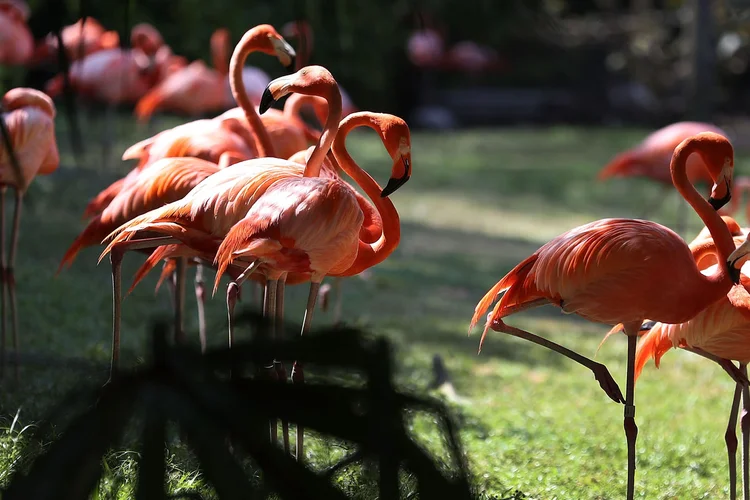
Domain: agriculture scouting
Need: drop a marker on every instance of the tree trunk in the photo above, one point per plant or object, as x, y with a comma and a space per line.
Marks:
702, 78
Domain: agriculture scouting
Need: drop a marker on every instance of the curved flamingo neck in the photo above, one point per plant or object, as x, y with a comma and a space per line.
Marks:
248, 44
719, 283
369, 254
314, 164
295, 103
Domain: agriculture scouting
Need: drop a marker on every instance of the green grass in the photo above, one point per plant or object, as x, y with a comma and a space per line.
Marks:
478, 202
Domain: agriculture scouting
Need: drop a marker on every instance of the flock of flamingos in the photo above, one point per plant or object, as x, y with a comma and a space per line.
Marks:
248, 195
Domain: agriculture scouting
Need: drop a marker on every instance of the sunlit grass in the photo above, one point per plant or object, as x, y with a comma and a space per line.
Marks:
478, 202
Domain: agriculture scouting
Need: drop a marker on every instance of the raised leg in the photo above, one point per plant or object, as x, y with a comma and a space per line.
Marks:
200, 299
606, 382
631, 429
3, 295
278, 365
179, 302
10, 279
730, 438
298, 376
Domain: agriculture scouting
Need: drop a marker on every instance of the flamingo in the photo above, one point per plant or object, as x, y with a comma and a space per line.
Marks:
29, 120
195, 89
651, 158
211, 211
80, 39
625, 271
16, 40
721, 332
166, 180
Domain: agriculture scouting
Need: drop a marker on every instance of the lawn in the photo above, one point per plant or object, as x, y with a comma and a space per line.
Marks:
478, 202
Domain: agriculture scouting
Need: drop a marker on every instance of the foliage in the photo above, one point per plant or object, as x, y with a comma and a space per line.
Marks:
179, 385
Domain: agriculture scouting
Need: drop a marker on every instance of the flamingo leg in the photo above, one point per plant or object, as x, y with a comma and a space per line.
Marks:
737, 375
232, 292
298, 376
631, 429
200, 299
3, 299
179, 302
745, 429
601, 374
338, 299
730, 438
11, 279
115, 257
278, 365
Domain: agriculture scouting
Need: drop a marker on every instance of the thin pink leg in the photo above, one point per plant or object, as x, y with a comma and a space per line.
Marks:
200, 299
298, 376
278, 365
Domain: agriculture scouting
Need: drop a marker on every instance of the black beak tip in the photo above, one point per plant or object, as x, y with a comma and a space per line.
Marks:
717, 204
734, 273
393, 184
265, 101
647, 325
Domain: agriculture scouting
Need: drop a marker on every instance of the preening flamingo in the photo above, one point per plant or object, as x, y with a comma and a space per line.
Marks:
195, 89
625, 271
651, 159
80, 39
16, 40
29, 119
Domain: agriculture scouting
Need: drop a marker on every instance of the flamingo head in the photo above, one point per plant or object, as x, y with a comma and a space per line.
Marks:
737, 259
310, 80
396, 137
718, 155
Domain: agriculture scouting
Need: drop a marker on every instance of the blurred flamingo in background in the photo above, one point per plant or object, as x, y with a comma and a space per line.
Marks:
195, 89
651, 158
29, 120
741, 186
210, 139
303, 32
721, 332
80, 39
16, 40
115, 76
625, 271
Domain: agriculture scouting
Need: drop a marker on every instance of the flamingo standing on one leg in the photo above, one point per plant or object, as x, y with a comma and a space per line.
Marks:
625, 271
651, 158
29, 120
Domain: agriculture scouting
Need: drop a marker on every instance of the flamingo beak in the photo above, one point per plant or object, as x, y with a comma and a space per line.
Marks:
396, 182
718, 203
266, 100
